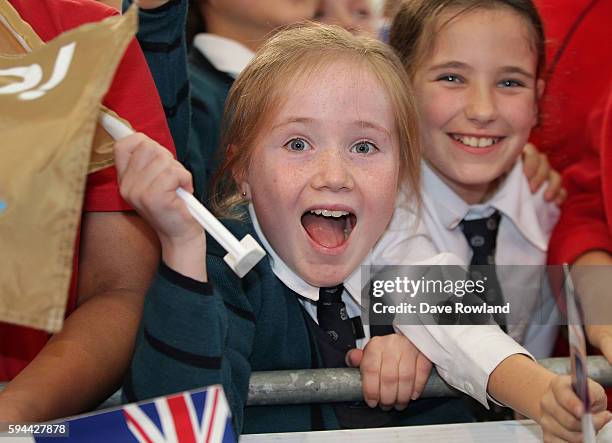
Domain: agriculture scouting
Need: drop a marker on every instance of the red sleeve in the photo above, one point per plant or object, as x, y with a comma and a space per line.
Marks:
132, 94
584, 225
577, 75
134, 97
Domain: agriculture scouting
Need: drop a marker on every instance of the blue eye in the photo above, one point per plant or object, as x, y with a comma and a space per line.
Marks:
297, 144
510, 83
450, 78
364, 147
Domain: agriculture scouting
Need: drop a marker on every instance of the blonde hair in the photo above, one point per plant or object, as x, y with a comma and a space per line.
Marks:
298, 51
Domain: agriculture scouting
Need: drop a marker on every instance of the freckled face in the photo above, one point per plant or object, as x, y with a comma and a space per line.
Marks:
324, 174
477, 95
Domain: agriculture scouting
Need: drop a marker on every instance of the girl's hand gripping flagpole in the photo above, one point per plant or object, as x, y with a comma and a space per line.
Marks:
241, 255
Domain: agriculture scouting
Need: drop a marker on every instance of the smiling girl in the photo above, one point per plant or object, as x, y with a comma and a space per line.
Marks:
477, 84
475, 68
321, 131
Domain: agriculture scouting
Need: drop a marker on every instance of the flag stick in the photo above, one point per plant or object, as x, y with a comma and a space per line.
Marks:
242, 255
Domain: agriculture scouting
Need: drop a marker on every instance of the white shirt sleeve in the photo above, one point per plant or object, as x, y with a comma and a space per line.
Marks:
464, 355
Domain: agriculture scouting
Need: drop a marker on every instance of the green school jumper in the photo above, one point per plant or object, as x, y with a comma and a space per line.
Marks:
195, 128
198, 334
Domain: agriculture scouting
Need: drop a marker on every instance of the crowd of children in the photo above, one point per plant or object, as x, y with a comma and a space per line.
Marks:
334, 150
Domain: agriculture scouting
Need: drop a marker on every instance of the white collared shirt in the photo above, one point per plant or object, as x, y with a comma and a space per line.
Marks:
310, 294
525, 227
224, 54
466, 355
527, 221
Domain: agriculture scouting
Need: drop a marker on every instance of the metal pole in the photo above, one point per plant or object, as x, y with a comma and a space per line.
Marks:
321, 386
344, 384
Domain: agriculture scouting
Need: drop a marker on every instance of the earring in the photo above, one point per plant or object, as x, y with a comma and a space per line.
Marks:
243, 194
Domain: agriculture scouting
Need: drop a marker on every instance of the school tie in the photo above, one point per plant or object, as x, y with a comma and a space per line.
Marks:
337, 335
333, 318
481, 235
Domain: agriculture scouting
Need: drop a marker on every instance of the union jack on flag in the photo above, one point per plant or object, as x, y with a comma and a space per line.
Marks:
201, 416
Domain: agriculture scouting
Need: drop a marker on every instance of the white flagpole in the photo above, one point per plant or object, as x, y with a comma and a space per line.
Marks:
242, 255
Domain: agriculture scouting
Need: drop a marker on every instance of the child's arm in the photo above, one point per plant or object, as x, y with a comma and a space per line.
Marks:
534, 391
161, 34
85, 362
183, 341
466, 355
520, 383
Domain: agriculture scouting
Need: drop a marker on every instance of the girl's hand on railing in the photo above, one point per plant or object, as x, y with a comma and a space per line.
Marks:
393, 371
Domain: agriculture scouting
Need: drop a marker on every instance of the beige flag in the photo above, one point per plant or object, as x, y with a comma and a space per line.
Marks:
49, 105
112, 3
18, 37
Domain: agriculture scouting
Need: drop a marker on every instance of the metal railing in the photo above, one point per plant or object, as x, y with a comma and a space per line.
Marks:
344, 384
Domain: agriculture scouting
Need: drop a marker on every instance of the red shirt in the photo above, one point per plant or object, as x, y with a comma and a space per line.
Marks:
580, 71
134, 97
576, 130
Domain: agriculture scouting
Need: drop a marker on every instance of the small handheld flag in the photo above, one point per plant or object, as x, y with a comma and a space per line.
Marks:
578, 356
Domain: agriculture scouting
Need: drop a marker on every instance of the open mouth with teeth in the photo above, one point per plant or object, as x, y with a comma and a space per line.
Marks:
476, 142
329, 228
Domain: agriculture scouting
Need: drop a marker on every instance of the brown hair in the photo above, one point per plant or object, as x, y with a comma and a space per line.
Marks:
293, 53
414, 28
390, 8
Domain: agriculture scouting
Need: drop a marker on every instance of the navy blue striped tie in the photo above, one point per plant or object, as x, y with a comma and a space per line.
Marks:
481, 235
333, 318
